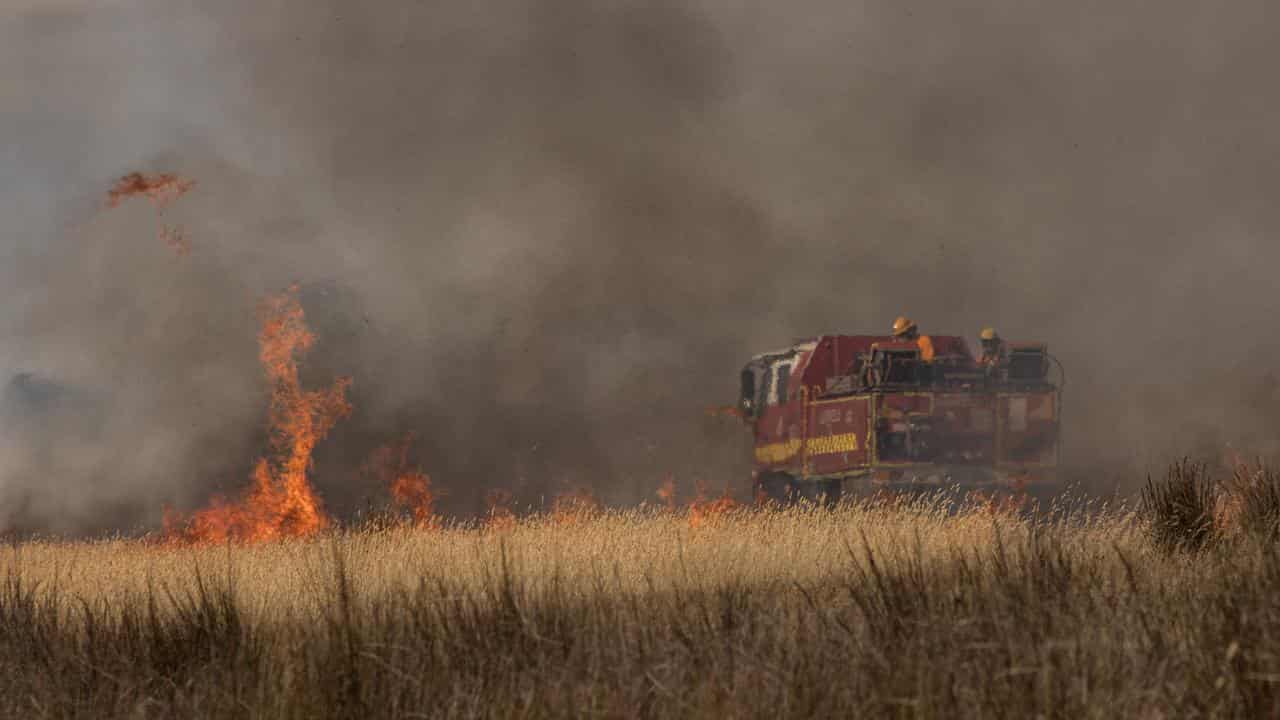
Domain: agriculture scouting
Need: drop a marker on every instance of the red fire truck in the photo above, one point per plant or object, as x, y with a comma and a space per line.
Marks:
846, 414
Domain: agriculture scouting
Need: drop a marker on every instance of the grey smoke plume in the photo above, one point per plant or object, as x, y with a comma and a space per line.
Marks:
545, 235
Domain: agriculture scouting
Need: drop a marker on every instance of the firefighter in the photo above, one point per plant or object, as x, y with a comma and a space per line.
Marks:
992, 349
905, 330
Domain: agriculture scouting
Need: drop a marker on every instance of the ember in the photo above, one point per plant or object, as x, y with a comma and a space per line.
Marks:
162, 190
176, 238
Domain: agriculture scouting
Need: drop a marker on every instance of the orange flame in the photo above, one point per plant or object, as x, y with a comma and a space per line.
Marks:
574, 506
998, 503
499, 517
667, 492
280, 502
410, 488
703, 511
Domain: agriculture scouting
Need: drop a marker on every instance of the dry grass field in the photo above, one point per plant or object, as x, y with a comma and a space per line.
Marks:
871, 609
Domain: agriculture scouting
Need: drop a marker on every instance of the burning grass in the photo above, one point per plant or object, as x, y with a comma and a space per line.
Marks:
409, 487
704, 510
872, 609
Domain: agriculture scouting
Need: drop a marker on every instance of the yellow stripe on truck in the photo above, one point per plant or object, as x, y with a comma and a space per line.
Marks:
777, 452
831, 444
774, 453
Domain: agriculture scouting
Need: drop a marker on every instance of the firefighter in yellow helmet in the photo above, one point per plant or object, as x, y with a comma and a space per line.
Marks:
992, 349
905, 329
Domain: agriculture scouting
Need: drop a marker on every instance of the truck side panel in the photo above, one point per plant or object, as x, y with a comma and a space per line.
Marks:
778, 438
1027, 434
838, 433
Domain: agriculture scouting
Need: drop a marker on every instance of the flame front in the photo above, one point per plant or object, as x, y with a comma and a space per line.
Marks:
280, 502
574, 505
703, 511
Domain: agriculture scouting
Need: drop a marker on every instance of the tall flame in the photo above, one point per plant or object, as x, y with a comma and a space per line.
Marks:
280, 502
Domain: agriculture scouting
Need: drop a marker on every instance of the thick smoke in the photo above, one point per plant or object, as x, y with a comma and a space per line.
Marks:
544, 235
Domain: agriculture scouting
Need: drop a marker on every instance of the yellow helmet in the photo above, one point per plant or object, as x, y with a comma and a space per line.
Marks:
902, 326
988, 334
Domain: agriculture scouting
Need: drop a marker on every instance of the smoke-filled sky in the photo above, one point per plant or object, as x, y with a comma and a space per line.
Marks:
545, 235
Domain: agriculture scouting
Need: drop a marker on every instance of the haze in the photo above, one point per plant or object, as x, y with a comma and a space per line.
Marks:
544, 236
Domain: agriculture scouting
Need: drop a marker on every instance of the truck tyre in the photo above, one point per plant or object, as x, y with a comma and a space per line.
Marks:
831, 492
776, 487
822, 493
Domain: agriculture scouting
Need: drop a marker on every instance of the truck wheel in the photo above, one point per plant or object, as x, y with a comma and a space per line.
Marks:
823, 493
831, 492
776, 487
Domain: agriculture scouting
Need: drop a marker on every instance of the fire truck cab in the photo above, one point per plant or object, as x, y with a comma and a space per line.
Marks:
842, 414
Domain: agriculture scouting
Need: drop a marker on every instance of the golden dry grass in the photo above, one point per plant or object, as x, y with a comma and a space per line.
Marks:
588, 552
869, 609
